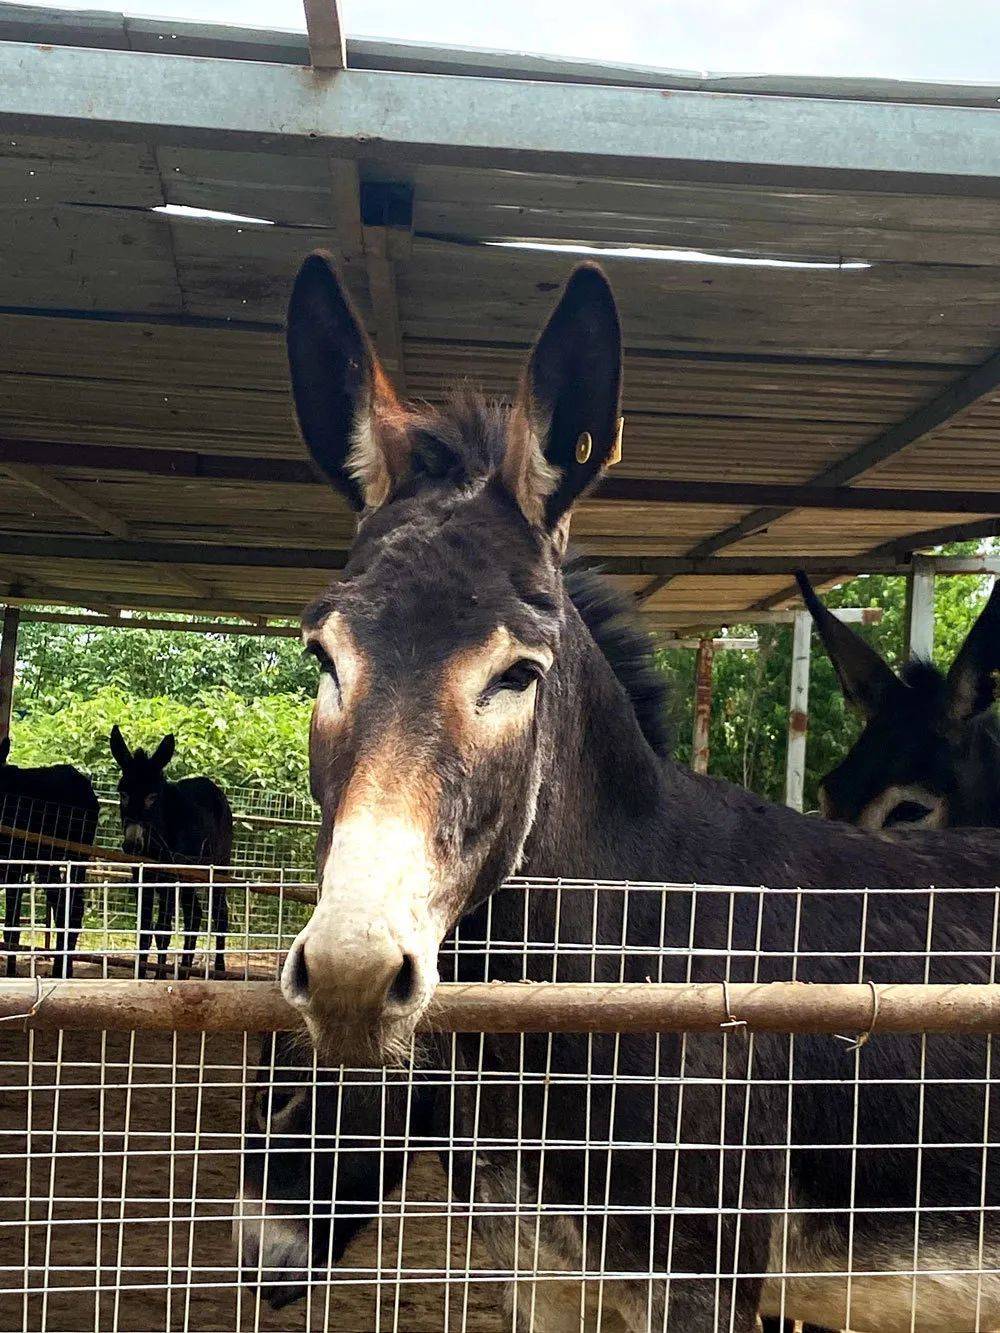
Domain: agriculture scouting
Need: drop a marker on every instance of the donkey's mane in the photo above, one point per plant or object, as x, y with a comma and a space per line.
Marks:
926, 680
628, 649
465, 438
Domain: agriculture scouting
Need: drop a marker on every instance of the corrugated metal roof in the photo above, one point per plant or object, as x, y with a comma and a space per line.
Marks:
139, 331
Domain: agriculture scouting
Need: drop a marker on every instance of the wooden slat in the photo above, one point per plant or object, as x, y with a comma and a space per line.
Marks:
327, 50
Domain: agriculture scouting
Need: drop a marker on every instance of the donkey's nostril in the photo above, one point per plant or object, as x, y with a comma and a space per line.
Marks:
295, 980
404, 985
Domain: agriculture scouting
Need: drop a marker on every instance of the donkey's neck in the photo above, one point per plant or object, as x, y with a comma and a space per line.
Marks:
604, 804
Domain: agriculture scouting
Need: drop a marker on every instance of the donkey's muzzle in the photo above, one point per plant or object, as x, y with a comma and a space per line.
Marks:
375, 976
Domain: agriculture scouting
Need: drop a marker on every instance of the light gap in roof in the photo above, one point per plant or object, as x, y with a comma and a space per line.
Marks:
209, 215
675, 256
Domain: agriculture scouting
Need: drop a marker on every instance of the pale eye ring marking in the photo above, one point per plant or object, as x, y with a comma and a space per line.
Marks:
515, 679
327, 667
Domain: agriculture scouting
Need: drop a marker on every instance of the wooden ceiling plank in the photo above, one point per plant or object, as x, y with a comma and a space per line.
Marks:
943, 410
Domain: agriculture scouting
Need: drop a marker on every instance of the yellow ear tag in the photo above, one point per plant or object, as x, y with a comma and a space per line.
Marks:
584, 447
615, 455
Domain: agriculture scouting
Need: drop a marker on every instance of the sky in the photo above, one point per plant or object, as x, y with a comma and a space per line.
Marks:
942, 40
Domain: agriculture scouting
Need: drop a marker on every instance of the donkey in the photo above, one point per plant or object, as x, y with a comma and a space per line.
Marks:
300, 1206
185, 821
468, 725
53, 802
929, 754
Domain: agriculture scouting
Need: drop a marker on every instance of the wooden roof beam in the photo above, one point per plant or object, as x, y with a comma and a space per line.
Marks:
943, 410
71, 500
327, 45
890, 558
610, 132
186, 464
67, 498
905, 547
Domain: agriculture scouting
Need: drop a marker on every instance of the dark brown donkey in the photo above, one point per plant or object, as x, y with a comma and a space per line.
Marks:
467, 725
929, 754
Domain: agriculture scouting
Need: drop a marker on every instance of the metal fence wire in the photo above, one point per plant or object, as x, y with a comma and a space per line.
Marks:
527, 1182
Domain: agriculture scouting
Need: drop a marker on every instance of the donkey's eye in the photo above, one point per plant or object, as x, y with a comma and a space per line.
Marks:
907, 812
516, 679
327, 667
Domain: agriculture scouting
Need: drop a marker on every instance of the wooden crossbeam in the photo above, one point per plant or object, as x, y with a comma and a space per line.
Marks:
944, 409
66, 497
185, 464
327, 47
196, 874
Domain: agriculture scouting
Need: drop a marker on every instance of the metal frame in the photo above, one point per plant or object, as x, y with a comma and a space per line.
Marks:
500, 123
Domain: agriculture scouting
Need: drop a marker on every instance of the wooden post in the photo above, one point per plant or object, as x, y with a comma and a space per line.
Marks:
8, 661
920, 609
798, 711
702, 706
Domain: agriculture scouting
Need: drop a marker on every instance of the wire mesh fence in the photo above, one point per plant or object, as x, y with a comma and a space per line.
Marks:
545, 1181
270, 829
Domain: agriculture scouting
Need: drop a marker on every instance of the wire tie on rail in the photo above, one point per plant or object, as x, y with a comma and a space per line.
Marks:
40, 999
730, 1021
856, 1043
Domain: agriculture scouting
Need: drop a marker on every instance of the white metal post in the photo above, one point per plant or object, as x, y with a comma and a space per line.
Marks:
798, 710
920, 622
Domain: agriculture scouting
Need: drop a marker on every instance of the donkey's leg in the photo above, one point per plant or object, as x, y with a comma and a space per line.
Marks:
145, 913
164, 928
77, 900
12, 924
220, 911
56, 912
192, 913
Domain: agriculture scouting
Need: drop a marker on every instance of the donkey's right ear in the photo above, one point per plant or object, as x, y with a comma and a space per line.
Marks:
868, 682
119, 749
348, 413
4, 749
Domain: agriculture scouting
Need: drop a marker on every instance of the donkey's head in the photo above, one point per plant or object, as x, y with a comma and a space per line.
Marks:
140, 793
922, 759
429, 735
323, 1151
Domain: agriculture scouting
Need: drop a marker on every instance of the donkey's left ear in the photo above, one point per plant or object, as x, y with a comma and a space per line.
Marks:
566, 420
971, 683
164, 752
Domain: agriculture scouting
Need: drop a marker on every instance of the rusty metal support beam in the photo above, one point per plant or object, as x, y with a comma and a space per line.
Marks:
8, 664
798, 711
702, 706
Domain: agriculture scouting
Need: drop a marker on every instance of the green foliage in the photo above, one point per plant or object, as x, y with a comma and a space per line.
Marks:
63, 662
240, 742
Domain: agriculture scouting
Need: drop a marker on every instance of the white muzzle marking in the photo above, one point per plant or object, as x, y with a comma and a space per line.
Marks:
376, 910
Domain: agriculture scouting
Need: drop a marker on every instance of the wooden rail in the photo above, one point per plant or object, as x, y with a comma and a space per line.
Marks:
513, 1007
198, 874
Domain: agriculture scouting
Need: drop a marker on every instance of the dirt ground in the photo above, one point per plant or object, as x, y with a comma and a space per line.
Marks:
104, 1252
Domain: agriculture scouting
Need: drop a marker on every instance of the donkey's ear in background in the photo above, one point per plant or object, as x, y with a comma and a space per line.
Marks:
868, 682
349, 416
971, 683
564, 427
119, 748
4, 749
164, 752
